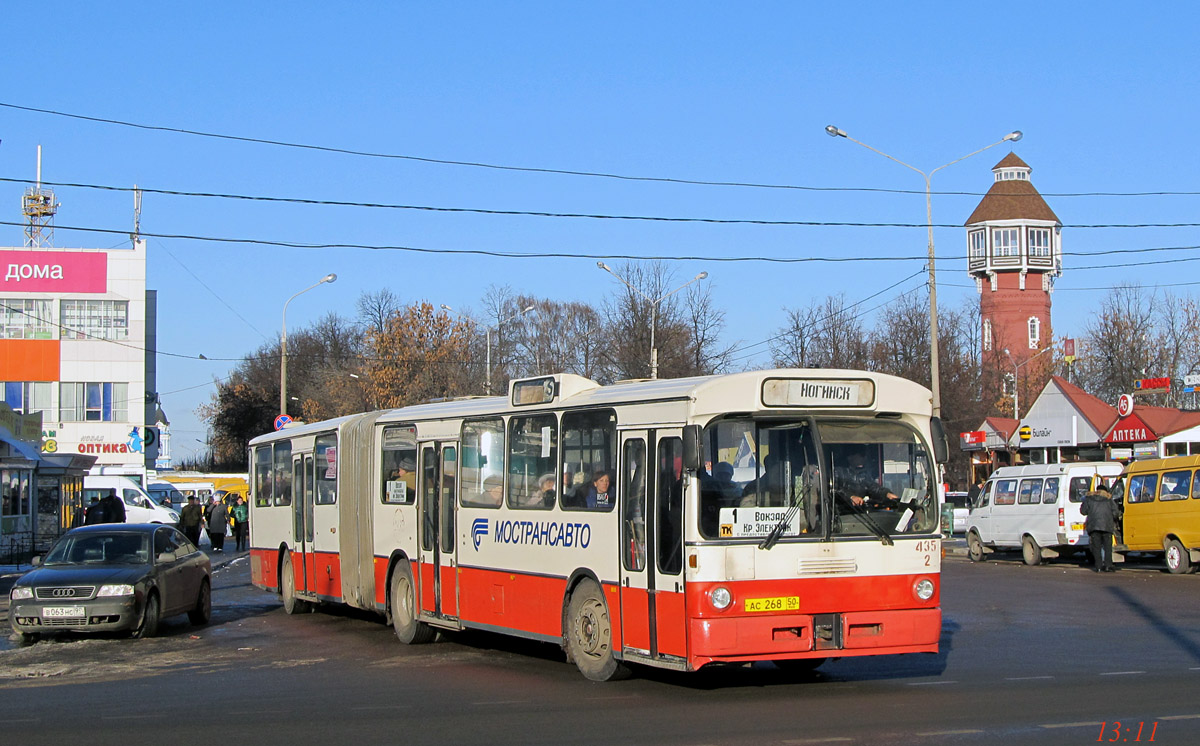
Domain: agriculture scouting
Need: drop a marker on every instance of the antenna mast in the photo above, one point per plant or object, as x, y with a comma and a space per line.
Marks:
39, 207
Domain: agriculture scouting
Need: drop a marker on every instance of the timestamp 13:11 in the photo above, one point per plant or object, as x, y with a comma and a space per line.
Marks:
1118, 733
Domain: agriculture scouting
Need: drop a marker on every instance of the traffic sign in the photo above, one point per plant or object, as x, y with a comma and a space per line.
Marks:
282, 420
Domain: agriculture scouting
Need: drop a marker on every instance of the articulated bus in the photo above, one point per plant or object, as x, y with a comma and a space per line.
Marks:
670, 523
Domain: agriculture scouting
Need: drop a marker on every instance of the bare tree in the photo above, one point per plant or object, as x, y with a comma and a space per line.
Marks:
1120, 344
374, 309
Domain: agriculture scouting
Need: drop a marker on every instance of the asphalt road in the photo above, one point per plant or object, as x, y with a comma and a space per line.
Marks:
1031, 655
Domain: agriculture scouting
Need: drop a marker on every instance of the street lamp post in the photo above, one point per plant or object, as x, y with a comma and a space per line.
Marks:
653, 309
1016, 379
283, 397
487, 385
933, 321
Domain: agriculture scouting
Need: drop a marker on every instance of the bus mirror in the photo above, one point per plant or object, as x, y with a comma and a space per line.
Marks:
941, 449
691, 447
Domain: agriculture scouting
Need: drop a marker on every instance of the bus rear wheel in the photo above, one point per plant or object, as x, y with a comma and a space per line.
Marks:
1179, 561
589, 635
403, 602
1030, 551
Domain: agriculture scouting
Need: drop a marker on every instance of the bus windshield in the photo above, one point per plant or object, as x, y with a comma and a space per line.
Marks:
821, 478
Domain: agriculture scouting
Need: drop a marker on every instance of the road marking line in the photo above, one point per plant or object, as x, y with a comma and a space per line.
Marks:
1121, 673
1089, 724
1179, 717
25, 720
930, 683
963, 732
1027, 678
129, 717
502, 702
801, 741
380, 707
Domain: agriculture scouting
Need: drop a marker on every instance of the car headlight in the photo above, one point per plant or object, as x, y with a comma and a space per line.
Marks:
117, 589
720, 597
923, 589
20, 593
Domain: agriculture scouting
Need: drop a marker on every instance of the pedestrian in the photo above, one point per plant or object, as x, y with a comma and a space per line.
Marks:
190, 518
94, 513
1102, 514
241, 524
112, 508
218, 524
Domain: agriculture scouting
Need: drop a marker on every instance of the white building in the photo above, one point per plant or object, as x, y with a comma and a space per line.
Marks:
77, 341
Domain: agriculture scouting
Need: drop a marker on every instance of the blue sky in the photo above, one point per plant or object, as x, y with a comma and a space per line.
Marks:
1105, 94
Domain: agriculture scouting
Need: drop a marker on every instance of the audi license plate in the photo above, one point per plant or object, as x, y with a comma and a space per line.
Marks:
779, 603
62, 612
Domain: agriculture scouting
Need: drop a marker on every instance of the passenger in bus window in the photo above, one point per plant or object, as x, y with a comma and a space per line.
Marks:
597, 496
493, 492
543, 497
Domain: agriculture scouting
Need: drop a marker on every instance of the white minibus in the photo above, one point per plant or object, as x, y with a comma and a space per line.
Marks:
1035, 508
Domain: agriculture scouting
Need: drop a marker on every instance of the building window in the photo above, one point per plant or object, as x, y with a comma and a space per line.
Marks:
1006, 242
25, 318
29, 397
978, 245
93, 402
1035, 332
1039, 243
987, 335
95, 319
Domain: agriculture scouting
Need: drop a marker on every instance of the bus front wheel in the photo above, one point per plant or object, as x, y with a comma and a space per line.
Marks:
408, 628
589, 635
287, 589
974, 547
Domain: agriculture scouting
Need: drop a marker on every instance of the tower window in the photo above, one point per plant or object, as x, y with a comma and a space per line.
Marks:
978, 244
1039, 243
1035, 332
987, 335
1006, 242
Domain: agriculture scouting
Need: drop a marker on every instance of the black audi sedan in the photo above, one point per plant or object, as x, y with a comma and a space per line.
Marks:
112, 576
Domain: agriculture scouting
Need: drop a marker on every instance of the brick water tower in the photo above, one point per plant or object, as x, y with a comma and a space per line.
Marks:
1014, 253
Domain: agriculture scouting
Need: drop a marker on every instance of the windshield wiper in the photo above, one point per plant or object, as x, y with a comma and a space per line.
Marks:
776, 533
870, 523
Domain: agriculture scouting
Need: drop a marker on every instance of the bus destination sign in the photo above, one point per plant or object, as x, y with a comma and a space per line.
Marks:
818, 392
740, 523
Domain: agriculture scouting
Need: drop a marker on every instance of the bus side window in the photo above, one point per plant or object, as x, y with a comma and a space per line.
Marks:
984, 498
1079, 488
1050, 491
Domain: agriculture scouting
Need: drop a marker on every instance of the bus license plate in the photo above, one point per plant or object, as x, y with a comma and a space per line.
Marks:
62, 612
779, 603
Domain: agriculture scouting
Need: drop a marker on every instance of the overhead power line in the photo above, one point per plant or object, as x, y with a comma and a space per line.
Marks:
537, 170
563, 254
548, 214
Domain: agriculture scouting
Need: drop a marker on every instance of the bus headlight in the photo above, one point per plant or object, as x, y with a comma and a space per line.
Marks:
923, 589
720, 598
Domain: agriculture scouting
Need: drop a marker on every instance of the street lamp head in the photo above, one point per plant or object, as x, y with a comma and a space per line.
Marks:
447, 308
834, 131
1014, 135
527, 309
603, 266
328, 278
701, 276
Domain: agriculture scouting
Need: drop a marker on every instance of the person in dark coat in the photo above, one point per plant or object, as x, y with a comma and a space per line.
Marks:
190, 518
218, 524
1102, 514
94, 513
113, 508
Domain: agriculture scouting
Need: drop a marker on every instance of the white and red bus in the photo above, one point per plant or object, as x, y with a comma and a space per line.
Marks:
670, 523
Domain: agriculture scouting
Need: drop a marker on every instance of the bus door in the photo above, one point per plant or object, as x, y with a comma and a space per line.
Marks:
653, 615
438, 563
302, 506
